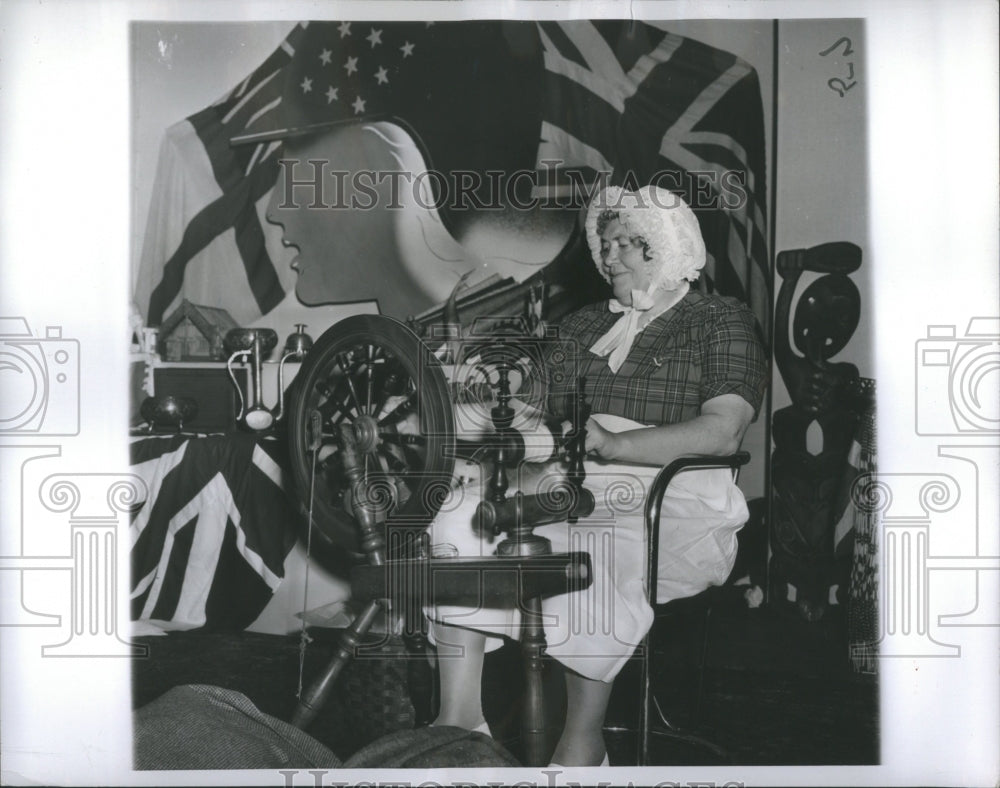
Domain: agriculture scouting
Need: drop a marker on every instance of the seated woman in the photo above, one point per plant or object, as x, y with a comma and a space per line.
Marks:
670, 372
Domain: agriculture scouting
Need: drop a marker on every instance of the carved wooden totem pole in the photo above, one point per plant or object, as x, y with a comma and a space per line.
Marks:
813, 435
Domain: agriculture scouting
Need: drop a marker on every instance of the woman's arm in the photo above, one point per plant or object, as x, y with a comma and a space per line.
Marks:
718, 430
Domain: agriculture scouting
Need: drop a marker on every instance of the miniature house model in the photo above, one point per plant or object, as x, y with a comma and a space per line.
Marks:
195, 333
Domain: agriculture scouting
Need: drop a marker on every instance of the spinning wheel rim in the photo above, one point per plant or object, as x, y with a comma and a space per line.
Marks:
391, 355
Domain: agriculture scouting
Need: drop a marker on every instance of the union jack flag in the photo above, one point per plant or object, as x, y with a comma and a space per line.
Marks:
210, 542
206, 238
635, 104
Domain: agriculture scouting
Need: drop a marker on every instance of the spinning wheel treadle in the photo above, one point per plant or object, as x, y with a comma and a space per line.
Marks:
372, 374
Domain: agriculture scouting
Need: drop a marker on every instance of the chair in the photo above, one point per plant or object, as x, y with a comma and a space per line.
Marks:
700, 602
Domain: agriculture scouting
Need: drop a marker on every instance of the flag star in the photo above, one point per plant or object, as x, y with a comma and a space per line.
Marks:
375, 37
344, 28
382, 76
359, 105
307, 84
351, 65
325, 56
406, 49
331, 94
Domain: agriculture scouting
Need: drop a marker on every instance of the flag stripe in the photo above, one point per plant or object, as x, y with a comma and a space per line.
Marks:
261, 274
270, 107
662, 101
566, 148
755, 243
629, 40
228, 172
602, 65
204, 227
165, 593
555, 40
582, 113
730, 268
153, 460
663, 53
711, 158
238, 90
254, 560
265, 100
685, 73
140, 588
253, 92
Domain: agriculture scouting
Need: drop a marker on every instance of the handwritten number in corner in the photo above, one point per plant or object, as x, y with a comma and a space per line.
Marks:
840, 86
848, 49
837, 84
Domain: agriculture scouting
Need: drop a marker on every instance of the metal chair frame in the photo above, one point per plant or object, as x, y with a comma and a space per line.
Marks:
654, 502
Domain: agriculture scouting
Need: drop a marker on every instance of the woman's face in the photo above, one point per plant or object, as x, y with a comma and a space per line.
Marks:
336, 244
358, 234
623, 260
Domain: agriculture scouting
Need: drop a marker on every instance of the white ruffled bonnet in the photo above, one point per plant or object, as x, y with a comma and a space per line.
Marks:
664, 221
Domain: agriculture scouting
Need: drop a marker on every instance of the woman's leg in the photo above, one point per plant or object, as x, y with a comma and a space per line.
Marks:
460, 666
582, 740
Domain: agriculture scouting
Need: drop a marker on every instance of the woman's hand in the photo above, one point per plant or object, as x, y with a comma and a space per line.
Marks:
600, 441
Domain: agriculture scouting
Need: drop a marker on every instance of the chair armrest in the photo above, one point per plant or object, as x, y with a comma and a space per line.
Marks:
654, 501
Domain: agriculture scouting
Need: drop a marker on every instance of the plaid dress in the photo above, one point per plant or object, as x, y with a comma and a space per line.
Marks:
703, 347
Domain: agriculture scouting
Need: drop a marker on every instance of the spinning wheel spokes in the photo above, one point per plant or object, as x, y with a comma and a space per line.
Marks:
363, 375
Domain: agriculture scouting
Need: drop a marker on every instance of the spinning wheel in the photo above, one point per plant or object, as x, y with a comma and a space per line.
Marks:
372, 438
371, 376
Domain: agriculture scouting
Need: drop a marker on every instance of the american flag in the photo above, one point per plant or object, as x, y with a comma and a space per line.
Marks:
621, 100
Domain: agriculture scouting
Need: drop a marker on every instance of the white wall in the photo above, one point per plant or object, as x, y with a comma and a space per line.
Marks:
822, 167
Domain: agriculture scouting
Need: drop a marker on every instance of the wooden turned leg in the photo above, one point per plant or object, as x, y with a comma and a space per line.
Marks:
533, 720
314, 698
421, 680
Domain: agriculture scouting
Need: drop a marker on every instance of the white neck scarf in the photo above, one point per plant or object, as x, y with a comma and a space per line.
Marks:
619, 338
